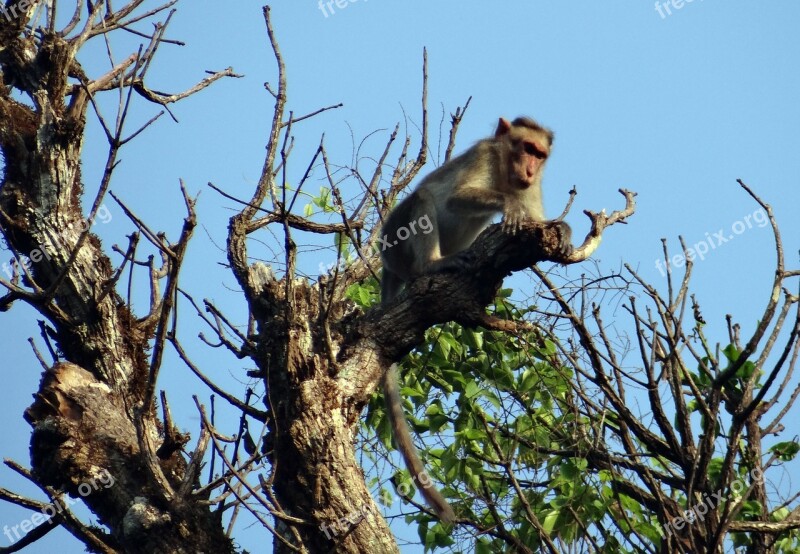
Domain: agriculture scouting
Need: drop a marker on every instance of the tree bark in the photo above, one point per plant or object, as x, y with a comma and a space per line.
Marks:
322, 362
90, 417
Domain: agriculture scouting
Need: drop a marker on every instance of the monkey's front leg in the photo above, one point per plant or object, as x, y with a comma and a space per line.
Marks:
472, 201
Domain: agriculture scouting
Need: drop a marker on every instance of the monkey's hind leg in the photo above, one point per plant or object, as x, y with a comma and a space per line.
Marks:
391, 285
430, 251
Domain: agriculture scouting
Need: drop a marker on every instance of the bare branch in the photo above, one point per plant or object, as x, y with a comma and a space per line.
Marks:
599, 222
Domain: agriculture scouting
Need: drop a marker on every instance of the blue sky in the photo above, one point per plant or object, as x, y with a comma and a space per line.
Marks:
675, 107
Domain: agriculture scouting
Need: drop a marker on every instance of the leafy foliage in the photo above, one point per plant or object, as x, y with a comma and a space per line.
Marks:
521, 458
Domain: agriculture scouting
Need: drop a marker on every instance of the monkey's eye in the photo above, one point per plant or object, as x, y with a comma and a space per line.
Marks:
532, 150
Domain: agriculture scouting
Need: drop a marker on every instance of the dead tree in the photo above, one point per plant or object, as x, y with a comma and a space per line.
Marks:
318, 355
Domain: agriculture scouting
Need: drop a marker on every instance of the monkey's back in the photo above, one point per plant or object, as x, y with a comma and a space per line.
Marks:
457, 231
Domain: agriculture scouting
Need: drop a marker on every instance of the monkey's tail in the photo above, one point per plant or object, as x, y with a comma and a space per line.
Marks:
402, 437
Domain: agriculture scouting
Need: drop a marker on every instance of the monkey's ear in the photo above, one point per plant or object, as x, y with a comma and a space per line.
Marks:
503, 127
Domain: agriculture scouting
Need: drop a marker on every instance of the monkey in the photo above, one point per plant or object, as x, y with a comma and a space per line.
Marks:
457, 201
452, 206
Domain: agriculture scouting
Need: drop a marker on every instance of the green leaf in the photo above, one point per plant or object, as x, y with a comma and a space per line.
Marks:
731, 353
715, 469
750, 509
549, 522
473, 339
472, 389
549, 347
433, 409
747, 370
570, 470
780, 514
472, 434
785, 451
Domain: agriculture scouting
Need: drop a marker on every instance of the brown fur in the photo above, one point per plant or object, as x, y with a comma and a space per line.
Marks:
498, 175
454, 203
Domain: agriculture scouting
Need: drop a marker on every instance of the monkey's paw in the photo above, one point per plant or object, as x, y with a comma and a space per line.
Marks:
564, 239
513, 219
565, 250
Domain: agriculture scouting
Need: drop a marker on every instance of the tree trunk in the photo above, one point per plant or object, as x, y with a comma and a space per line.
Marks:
88, 418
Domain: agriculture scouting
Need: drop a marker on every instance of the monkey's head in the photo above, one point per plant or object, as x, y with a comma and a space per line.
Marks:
527, 145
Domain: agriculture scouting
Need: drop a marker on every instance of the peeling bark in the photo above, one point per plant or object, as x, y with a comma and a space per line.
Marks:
90, 416
320, 358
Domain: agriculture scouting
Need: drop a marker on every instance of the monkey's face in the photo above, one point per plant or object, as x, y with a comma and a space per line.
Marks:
528, 153
526, 145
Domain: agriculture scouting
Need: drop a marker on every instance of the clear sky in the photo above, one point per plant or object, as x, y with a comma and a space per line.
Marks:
675, 105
